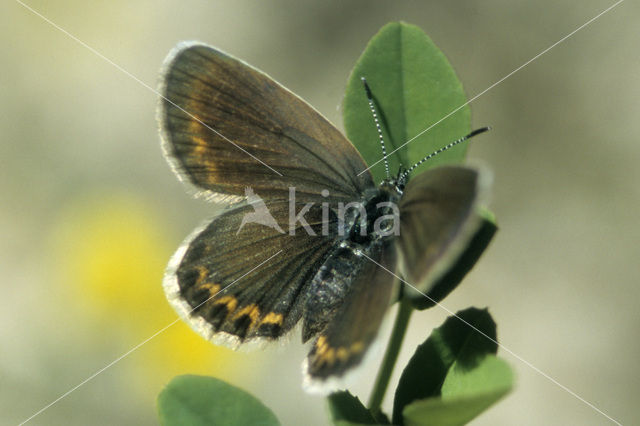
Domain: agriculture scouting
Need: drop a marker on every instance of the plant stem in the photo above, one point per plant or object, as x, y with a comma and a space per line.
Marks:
390, 356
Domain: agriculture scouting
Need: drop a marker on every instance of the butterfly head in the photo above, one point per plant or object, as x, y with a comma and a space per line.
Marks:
397, 183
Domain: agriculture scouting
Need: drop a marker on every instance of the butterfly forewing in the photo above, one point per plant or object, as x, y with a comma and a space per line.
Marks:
226, 126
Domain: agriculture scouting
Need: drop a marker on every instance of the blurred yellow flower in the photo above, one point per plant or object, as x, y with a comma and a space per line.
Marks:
110, 254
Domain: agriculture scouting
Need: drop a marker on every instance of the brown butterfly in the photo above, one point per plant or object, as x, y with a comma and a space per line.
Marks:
305, 235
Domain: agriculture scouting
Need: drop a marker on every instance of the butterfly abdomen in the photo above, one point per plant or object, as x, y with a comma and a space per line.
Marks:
329, 287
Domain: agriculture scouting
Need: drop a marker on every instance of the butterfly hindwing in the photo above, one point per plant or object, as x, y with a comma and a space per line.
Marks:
342, 345
214, 284
438, 218
225, 126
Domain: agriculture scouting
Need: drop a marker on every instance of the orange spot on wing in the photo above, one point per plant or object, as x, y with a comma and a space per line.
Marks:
356, 347
342, 354
321, 345
202, 274
213, 288
200, 146
273, 318
251, 310
229, 301
325, 354
328, 357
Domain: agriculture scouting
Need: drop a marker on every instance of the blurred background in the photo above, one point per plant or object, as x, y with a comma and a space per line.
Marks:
90, 211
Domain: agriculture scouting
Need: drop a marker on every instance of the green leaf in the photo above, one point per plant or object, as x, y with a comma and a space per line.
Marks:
465, 394
491, 375
347, 409
450, 280
413, 86
487, 215
198, 400
455, 341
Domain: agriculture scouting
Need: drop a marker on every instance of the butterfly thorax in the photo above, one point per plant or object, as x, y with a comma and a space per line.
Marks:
378, 216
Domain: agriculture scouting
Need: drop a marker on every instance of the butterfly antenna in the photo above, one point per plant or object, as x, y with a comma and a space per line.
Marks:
444, 148
375, 119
